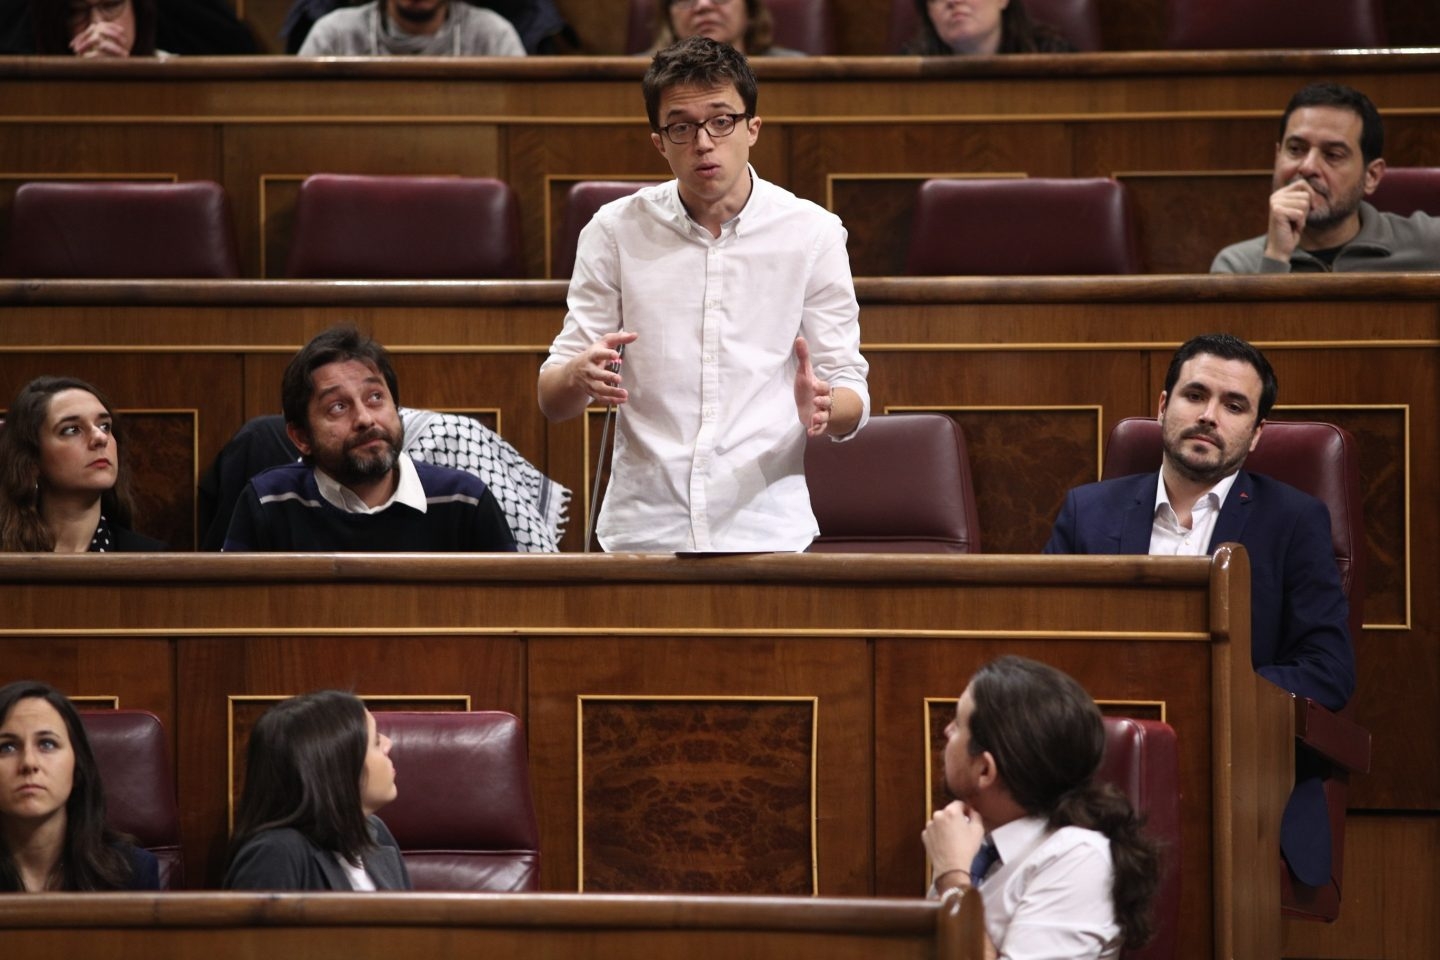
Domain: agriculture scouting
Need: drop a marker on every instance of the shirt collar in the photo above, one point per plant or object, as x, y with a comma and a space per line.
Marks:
675, 208
1018, 837
1220, 491
408, 491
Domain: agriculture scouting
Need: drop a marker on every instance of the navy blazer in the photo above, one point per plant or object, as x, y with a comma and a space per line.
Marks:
286, 859
1299, 638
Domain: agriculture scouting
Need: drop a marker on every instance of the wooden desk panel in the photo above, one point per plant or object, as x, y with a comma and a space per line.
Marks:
1189, 130
537, 634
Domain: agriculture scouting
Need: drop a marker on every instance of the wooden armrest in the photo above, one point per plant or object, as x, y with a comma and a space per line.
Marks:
1335, 738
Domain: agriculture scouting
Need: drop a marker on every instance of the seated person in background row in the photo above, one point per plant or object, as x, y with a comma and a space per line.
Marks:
717, 283
743, 24
1328, 159
316, 772
356, 489
429, 28
52, 805
1060, 861
1218, 391
64, 486
94, 28
970, 27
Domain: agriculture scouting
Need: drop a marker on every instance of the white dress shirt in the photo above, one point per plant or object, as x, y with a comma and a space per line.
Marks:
709, 448
408, 491
1169, 539
1049, 898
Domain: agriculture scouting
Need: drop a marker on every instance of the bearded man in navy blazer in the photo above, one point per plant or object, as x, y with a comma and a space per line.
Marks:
1218, 391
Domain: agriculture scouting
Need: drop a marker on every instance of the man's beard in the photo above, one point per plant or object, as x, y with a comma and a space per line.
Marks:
1340, 209
356, 467
420, 15
1207, 472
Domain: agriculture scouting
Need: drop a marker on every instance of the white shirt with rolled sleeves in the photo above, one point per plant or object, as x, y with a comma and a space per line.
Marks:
709, 448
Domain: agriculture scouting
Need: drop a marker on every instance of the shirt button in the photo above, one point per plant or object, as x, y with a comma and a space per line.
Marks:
708, 358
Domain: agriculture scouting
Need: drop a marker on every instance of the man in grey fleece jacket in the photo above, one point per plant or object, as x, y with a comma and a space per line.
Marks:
1327, 161
430, 28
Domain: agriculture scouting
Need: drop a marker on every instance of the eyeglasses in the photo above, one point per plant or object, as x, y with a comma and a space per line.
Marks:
721, 126
83, 12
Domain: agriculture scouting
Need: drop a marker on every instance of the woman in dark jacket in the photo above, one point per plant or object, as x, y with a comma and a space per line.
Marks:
977, 27
52, 805
64, 486
316, 772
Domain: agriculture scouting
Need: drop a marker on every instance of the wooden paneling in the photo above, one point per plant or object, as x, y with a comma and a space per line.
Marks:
862, 642
1190, 132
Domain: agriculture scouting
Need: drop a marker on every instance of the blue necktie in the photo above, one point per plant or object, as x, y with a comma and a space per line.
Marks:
985, 858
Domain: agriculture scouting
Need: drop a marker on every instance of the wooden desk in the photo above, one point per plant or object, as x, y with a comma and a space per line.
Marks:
781, 715
387, 926
1191, 133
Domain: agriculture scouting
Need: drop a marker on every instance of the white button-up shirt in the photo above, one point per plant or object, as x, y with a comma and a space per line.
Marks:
709, 448
1169, 539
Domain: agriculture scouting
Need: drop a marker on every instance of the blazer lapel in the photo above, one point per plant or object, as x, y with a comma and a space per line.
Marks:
330, 866
383, 865
1139, 516
1230, 525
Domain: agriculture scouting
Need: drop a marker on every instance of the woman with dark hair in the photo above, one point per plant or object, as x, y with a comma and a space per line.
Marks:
744, 24
966, 27
94, 28
63, 484
316, 772
52, 806
1059, 859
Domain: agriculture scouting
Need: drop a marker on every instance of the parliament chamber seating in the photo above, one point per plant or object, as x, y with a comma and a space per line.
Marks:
1077, 20
1405, 190
581, 202
126, 231
405, 228
1142, 761
1322, 460
805, 25
463, 816
1023, 226
133, 755
902, 485
1275, 24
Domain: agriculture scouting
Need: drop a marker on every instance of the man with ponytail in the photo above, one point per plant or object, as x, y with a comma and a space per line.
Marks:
1060, 860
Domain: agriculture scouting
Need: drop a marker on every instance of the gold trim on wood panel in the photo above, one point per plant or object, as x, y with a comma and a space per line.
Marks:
95, 701
1172, 174
1405, 409
53, 175
234, 698
581, 699
265, 179
1162, 704
1072, 347
830, 179
521, 631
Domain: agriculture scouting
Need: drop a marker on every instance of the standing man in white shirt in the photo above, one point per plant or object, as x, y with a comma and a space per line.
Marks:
733, 301
1020, 757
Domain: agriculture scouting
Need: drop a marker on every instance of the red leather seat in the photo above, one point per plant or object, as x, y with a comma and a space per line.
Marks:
581, 202
805, 25
1077, 20
1023, 227
1142, 762
405, 228
133, 754
1322, 460
122, 231
1405, 190
1275, 24
901, 485
464, 817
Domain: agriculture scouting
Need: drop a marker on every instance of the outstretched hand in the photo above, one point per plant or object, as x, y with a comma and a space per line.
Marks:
813, 399
597, 371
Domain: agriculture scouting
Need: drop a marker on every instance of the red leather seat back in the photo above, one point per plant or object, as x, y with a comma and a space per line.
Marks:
1405, 190
1077, 20
902, 485
581, 202
1142, 761
133, 755
464, 818
405, 228
1275, 24
1023, 227
122, 231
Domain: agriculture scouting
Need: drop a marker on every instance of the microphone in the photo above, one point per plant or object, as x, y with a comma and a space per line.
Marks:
613, 367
